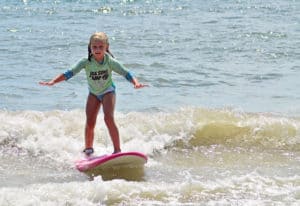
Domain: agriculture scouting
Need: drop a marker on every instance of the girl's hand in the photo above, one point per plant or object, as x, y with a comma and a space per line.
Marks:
47, 83
138, 85
57, 79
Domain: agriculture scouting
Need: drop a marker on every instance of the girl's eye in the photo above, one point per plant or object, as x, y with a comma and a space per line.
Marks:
97, 47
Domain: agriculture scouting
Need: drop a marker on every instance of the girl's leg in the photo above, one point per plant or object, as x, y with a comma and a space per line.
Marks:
109, 101
92, 109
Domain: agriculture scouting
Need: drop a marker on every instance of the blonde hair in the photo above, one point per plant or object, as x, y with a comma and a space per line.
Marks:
98, 36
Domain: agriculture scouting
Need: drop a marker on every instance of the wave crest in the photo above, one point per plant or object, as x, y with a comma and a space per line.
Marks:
60, 133
261, 130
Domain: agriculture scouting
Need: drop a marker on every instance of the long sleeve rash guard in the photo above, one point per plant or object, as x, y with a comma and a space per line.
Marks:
99, 75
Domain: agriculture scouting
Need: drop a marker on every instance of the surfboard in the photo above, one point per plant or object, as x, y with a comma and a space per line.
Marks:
121, 159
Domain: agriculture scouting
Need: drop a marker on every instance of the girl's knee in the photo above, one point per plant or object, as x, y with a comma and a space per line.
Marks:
108, 119
90, 123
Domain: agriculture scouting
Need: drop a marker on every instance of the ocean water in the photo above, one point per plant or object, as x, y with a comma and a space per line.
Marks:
220, 120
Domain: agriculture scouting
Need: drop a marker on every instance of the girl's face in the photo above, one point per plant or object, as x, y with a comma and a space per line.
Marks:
98, 49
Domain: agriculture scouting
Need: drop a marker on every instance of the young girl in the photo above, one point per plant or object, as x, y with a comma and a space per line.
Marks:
98, 68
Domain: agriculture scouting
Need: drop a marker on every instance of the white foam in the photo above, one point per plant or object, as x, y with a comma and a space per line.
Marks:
60, 134
72, 193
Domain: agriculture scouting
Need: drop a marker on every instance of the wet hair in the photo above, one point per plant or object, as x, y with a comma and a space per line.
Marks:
98, 36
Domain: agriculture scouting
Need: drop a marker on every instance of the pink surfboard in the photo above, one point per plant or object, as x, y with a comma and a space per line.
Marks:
134, 159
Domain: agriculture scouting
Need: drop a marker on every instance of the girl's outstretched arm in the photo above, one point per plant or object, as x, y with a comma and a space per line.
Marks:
57, 79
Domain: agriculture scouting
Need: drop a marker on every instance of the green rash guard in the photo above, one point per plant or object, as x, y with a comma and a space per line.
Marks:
99, 75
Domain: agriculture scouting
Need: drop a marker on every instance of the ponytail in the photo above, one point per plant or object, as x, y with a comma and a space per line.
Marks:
89, 52
110, 53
